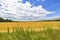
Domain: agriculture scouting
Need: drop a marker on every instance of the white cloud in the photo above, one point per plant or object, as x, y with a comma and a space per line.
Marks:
52, 17
12, 9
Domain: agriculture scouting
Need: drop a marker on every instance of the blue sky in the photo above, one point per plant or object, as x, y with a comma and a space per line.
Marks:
30, 9
50, 5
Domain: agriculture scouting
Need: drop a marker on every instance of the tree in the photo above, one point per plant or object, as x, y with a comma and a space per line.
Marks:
5, 20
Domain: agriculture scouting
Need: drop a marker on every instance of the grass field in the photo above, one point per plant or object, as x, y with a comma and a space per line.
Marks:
29, 30
20, 34
27, 25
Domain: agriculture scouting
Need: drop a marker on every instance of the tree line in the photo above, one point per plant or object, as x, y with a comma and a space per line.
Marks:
5, 20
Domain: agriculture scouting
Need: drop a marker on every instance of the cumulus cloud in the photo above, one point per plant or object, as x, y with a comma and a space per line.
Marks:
16, 10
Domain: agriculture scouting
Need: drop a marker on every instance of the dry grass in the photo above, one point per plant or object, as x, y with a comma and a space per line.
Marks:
32, 25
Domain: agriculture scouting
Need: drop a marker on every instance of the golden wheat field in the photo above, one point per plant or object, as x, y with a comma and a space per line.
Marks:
26, 25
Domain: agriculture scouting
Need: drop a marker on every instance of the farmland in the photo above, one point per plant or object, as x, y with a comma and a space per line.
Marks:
29, 30
27, 25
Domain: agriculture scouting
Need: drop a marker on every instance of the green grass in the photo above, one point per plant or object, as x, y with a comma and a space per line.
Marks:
20, 34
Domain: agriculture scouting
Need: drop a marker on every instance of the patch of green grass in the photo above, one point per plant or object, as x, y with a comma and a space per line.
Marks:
21, 34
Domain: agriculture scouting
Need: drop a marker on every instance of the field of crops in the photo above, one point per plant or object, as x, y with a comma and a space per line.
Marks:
20, 34
4, 26
29, 30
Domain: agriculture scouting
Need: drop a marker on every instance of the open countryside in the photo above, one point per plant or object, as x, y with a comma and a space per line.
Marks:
29, 19
27, 25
